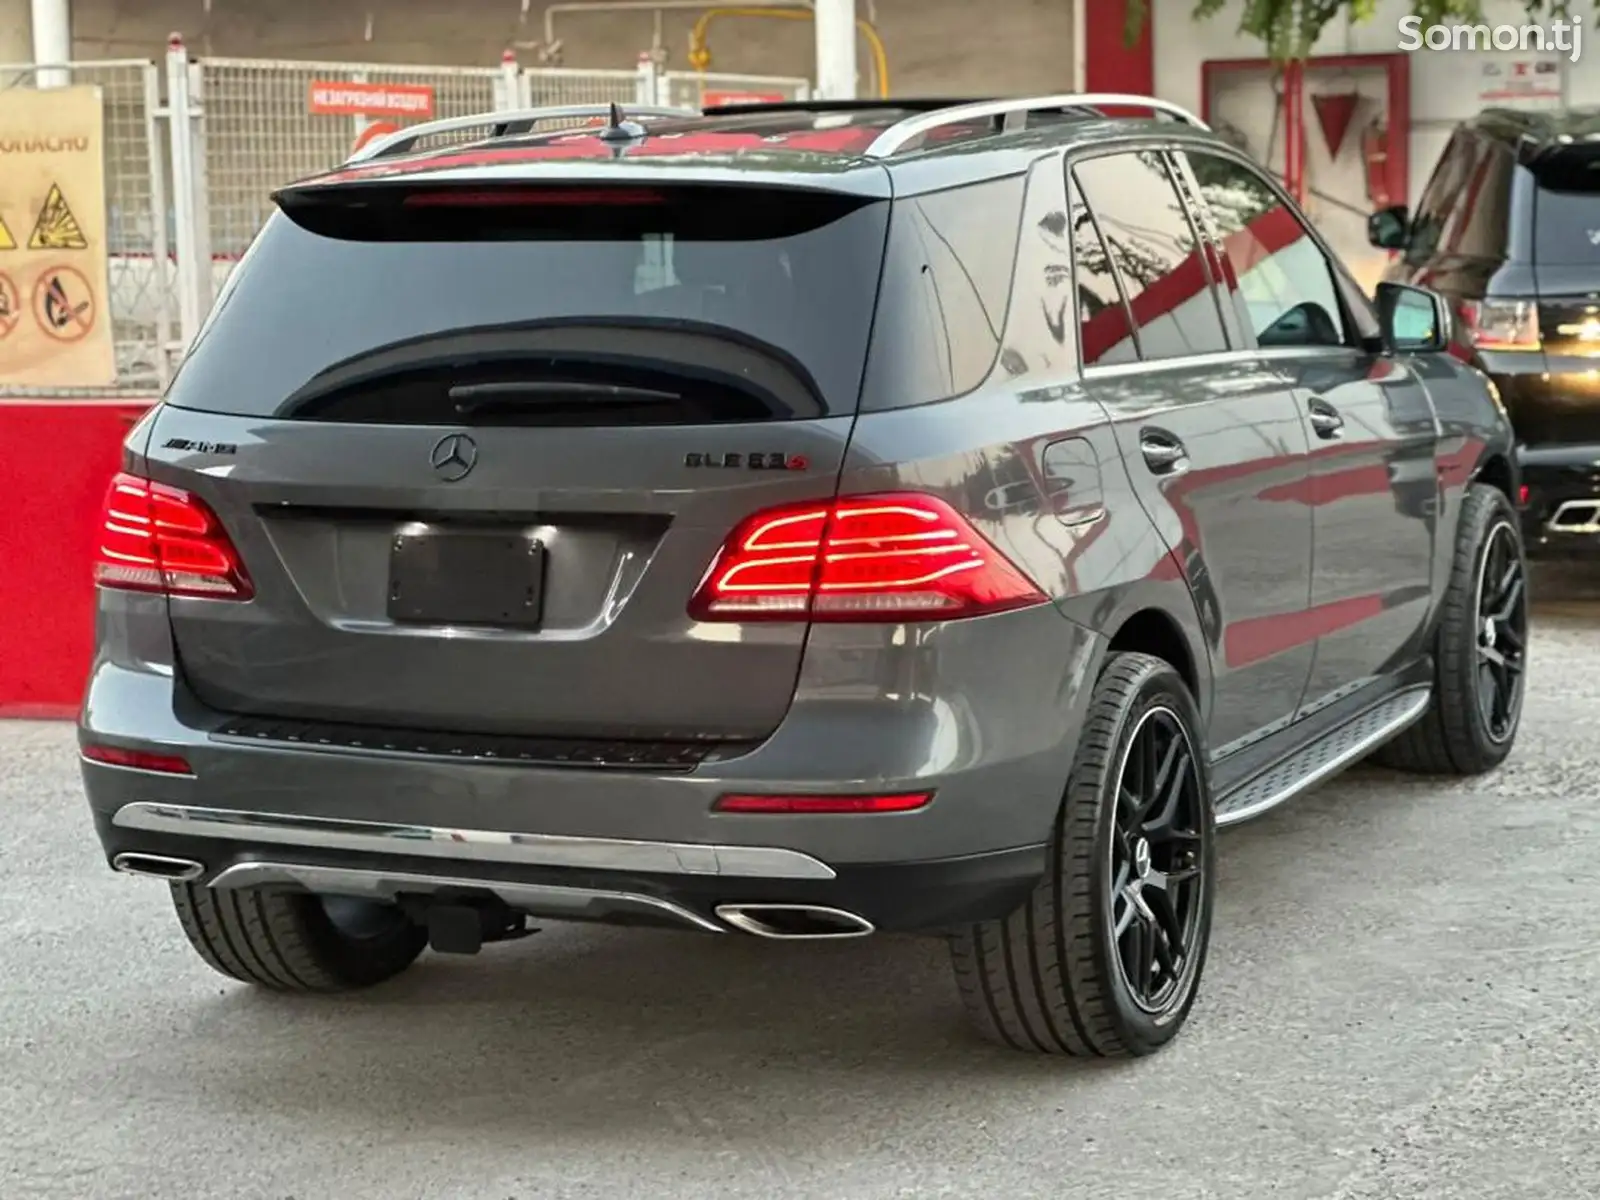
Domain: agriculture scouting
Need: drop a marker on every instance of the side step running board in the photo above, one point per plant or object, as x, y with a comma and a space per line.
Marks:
1327, 756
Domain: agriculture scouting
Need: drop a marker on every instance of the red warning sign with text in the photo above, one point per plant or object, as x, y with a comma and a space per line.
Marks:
336, 99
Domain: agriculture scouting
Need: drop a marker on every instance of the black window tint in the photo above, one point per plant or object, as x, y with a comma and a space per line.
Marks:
307, 309
1156, 255
946, 283
1439, 199
1276, 275
1104, 333
1566, 216
1478, 228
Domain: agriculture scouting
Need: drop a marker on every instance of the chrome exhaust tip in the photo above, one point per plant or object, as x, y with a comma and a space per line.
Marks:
158, 866
1577, 516
794, 922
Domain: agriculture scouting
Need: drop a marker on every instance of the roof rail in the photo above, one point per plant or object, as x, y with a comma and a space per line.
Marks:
519, 120
903, 133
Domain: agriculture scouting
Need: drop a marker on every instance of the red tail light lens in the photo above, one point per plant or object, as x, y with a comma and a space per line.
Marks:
138, 760
893, 557
156, 538
811, 805
525, 197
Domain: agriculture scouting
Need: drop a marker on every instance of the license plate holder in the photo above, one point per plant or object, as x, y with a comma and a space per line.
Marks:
478, 577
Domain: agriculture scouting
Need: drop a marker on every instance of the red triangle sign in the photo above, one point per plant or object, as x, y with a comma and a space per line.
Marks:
1335, 111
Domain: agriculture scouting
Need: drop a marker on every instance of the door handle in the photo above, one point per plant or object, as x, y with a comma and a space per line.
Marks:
1163, 453
1325, 419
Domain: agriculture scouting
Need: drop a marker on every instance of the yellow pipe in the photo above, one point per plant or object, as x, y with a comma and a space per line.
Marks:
700, 53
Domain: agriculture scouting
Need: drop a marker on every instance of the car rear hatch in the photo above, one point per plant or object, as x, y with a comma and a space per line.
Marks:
476, 445
1566, 251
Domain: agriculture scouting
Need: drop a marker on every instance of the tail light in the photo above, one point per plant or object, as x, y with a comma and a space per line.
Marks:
156, 538
1502, 324
893, 557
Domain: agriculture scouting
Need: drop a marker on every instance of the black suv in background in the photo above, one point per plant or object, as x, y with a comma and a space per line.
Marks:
1509, 230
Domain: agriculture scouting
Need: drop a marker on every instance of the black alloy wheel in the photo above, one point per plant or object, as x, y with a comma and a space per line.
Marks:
1105, 957
1501, 621
1157, 892
1479, 647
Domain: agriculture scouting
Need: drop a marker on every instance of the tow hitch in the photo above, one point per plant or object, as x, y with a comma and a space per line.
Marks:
464, 927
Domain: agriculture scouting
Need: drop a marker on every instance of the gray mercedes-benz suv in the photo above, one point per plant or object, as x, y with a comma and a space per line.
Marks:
796, 521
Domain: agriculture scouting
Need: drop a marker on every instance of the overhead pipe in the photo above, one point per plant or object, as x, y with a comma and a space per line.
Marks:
655, 6
52, 41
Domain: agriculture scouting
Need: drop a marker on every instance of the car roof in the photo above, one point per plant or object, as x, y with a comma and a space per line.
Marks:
1535, 134
831, 145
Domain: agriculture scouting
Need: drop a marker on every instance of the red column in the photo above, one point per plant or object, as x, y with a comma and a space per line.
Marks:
1294, 129
1111, 65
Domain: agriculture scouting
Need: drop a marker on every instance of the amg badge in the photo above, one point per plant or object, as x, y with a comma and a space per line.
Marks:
759, 461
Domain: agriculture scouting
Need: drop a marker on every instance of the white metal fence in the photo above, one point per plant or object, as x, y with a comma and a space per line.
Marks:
194, 152
696, 89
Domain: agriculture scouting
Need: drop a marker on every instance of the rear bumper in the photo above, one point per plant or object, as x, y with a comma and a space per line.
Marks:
1556, 520
892, 897
984, 718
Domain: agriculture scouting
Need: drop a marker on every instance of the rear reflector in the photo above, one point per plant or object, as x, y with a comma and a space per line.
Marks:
892, 557
908, 802
156, 538
138, 760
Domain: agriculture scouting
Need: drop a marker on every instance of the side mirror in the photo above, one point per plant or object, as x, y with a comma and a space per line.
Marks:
1414, 320
1386, 228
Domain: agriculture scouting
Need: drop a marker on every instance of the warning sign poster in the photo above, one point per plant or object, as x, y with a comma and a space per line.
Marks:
55, 323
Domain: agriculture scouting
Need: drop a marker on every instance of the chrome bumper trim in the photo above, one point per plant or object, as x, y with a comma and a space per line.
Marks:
555, 903
473, 845
1577, 516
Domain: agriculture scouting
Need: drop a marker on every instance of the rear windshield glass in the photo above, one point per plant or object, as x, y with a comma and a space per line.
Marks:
308, 311
1567, 212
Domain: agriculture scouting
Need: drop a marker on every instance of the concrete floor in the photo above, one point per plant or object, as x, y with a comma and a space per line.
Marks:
1403, 999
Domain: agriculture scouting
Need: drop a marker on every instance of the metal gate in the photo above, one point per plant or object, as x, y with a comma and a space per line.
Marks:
143, 276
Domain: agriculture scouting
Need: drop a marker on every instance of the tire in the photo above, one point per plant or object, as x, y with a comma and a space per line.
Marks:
1052, 977
294, 941
1455, 736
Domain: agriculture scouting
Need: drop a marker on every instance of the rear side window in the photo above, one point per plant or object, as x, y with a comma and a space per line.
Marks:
672, 306
1566, 217
1153, 249
946, 286
1478, 227
1439, 201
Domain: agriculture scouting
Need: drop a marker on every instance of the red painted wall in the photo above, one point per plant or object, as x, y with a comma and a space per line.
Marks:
58, 459
1110, 64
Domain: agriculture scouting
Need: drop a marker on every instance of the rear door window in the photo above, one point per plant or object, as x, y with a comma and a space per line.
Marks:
1279, 280
1155, 253
1105, 330
1566, 222
388, 313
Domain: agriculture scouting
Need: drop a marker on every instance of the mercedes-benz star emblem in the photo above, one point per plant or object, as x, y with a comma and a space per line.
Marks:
453, 457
